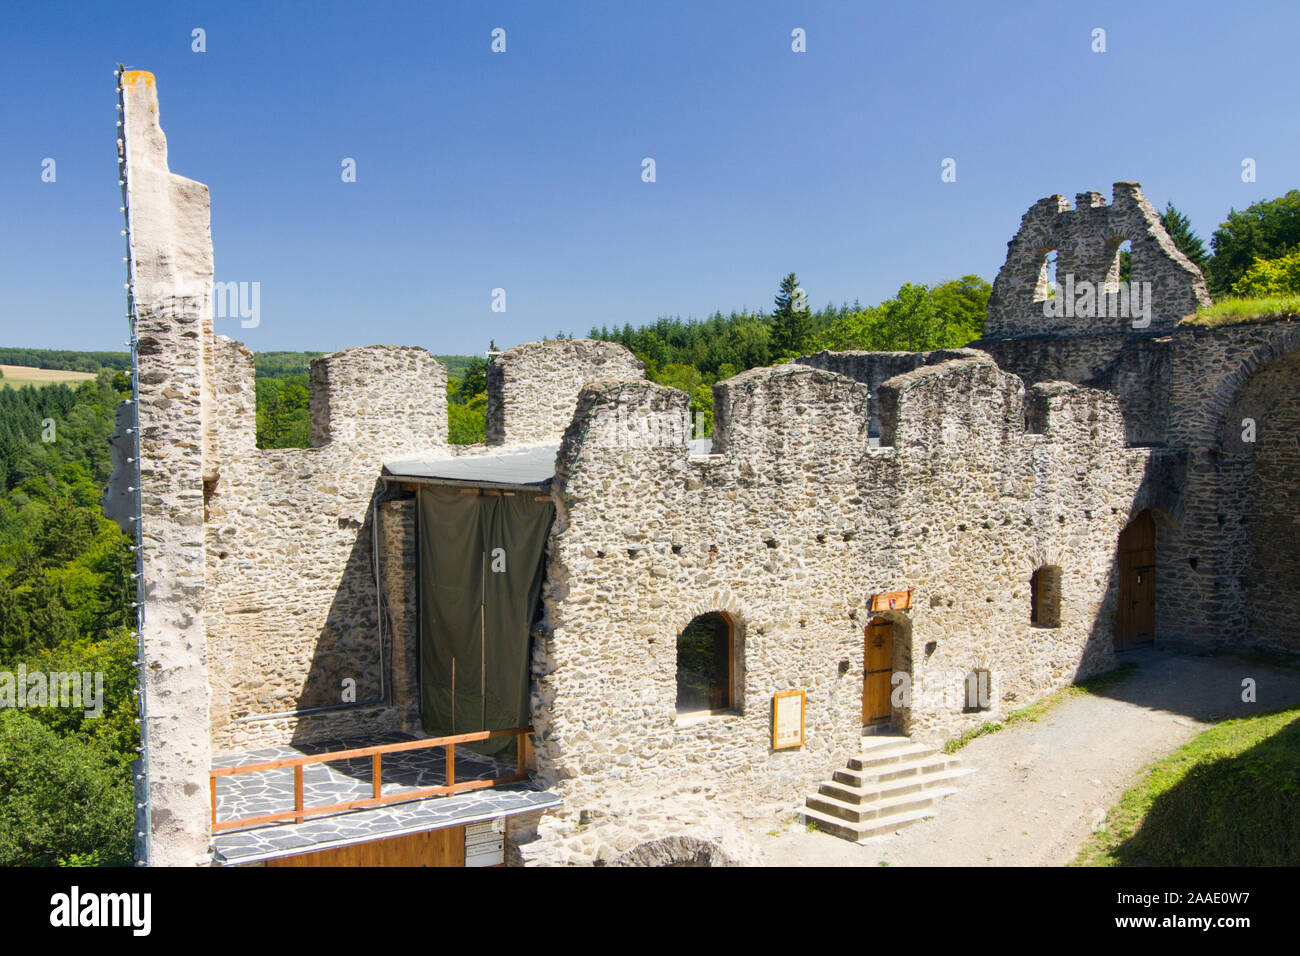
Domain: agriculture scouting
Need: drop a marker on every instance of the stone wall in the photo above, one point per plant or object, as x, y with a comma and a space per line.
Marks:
873, 369
532, 388
1233, 570
789, 529
170, 249
1087, 240
1134, 367
1225, 573
292, 611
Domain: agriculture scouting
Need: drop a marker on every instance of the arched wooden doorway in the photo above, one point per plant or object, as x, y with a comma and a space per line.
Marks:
1135, 617
877, 668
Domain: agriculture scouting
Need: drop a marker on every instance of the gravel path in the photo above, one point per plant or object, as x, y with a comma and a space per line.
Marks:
1038, 786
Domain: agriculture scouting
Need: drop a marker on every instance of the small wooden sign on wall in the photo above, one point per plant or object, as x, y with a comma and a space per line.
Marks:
893, 601
787, 719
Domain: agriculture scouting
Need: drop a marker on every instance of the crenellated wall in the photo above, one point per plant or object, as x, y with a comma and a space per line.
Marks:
292, 617
532, 387
789, 528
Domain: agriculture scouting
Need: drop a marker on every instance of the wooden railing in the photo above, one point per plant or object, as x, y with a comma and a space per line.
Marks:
375, 754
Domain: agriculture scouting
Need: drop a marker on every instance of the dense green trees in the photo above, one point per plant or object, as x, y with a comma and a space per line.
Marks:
283, 414
71, 361
65, 596
1185, 238
64, 800
1271, 277
1264, 230
792, 327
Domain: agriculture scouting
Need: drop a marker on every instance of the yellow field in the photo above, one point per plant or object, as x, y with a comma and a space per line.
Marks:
16, 376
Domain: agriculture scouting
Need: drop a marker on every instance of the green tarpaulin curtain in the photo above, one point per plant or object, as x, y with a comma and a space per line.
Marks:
481, 565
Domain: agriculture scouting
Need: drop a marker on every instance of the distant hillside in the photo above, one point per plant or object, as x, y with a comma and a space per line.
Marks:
16, 376
282, 364
90, 362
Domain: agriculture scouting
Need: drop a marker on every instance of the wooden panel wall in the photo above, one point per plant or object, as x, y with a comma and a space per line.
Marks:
444, 847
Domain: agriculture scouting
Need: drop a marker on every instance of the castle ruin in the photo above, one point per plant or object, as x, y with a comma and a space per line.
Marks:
288, 594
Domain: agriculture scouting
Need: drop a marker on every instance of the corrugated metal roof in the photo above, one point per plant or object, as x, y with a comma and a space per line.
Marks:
525, 467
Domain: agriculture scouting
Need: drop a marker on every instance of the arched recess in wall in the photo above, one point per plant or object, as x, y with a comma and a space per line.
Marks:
709, 665
1261, 442
1045, 596
977, 691
1045, 283
1119, 259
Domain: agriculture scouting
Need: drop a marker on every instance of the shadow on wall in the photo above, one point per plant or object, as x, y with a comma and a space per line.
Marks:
349, 671
1157, 496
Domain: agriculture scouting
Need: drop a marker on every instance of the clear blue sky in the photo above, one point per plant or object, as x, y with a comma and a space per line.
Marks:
522, 170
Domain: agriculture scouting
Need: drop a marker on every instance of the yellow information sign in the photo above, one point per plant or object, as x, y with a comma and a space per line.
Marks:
787, 719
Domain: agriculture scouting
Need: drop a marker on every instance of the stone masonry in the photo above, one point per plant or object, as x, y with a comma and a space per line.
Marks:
281, 585
532, 387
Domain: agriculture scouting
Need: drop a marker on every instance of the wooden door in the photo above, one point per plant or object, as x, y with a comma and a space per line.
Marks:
878, 665
1135, 617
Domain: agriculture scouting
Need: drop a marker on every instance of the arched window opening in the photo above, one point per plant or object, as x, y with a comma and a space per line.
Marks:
706, 664
1045, 597
1045, 288
978, 696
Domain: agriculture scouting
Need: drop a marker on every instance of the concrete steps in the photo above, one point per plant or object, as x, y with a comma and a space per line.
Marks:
892, 784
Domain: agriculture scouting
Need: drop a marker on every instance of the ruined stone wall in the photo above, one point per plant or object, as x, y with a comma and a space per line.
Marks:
1134, 367
1225, 575
170, 249
789, 530
1232, 571
1087, 240
532, 388
291, 609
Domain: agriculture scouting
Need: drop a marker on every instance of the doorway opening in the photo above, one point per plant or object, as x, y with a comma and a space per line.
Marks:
1135, 615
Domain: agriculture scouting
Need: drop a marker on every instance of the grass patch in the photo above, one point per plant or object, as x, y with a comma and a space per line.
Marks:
1226, 798
1093, 685
988, 727
1238, 311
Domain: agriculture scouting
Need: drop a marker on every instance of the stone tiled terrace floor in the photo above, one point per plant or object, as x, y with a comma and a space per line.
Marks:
270, 791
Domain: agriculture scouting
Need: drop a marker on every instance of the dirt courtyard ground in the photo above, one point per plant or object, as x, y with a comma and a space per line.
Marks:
1038, 786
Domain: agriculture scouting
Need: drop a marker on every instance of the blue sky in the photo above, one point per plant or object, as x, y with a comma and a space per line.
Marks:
522, 170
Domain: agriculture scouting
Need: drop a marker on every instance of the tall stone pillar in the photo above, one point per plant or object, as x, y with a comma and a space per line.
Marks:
170, 255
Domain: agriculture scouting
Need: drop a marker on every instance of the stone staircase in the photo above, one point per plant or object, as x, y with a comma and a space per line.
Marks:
893, 784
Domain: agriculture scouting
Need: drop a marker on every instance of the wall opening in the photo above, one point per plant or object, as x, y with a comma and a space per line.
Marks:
1046, 288
1045, 597
978, 691
706, 665
1119, 269
1135, 613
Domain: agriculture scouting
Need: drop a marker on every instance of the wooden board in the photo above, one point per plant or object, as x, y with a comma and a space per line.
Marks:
445, 847
877, 671
892, 601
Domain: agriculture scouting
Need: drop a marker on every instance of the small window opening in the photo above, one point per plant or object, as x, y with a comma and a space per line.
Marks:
1045, 597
